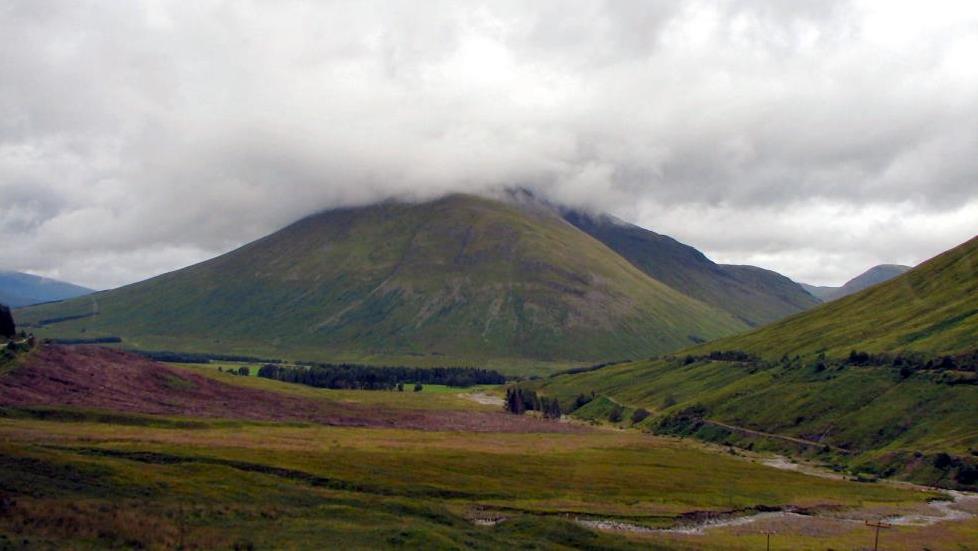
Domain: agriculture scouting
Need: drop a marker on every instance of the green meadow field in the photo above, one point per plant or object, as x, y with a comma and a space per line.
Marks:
82, 478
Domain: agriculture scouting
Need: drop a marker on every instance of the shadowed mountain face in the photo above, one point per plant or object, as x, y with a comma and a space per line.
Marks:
753, 295
20, 289
872, 276
458, 278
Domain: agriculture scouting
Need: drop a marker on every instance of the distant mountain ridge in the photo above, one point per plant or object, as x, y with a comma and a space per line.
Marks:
873, 276
19, 289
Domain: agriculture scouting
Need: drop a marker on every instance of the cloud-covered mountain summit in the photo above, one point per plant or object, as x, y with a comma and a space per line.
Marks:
145, 136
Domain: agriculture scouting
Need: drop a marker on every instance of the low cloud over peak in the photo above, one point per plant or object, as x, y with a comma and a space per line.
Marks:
816, 139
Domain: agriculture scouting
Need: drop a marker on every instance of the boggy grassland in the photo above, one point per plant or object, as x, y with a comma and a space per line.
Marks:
84, 478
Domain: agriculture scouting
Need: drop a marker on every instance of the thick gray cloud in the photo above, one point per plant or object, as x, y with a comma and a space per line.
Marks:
814, 138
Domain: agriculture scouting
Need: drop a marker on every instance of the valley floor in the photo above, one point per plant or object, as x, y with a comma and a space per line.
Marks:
85, 478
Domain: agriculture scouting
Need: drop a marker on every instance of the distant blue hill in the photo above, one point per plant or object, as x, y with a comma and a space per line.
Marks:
19, 289
865, 280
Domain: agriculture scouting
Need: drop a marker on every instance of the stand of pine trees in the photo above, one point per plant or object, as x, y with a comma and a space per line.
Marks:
520, 400
907, 363
366, 377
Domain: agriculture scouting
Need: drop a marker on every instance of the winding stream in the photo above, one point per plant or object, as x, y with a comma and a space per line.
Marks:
692, 529
945, 510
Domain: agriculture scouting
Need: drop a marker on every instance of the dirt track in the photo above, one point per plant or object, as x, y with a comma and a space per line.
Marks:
791, 439
105, 379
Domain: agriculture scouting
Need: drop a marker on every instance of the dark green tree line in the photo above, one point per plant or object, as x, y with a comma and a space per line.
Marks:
520, 400
366, 377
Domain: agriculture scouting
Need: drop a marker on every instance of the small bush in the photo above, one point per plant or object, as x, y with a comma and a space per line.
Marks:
581, 401
640, 415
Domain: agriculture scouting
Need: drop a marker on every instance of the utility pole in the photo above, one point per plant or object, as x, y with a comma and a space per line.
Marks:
768, 534
878, 525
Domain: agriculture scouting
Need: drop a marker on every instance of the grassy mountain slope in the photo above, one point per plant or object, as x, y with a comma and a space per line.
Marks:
461, 278
916, 420
20, 289
932, 308
885, 421
753, 295
865, 280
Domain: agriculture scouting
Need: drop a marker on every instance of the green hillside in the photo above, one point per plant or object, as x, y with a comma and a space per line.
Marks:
461, 279
932, 308
906, 408
753, 295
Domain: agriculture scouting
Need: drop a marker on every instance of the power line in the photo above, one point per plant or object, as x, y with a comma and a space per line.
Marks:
878, 525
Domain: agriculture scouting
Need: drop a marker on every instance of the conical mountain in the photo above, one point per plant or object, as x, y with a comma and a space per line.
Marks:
457, 279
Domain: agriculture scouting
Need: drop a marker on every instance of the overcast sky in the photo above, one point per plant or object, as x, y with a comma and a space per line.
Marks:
813, 138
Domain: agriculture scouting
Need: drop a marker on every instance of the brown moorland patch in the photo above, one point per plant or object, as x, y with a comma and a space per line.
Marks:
100, 378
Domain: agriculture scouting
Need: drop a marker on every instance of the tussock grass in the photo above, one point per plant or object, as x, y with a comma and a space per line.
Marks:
101, 484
